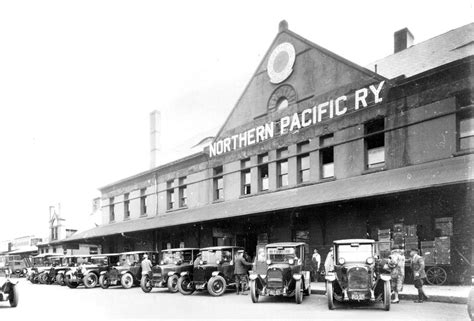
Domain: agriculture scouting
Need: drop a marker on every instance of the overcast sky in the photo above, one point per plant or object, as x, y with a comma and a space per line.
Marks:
78, 80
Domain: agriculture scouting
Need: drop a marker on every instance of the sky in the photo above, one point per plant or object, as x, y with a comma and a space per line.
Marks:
78, 80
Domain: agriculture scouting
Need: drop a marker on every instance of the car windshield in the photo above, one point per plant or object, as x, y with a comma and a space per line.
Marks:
172, 257
354, 252
99, 260
212, 256
280, 254
128, 259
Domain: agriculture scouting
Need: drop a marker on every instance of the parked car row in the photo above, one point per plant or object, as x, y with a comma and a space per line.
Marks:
278, 270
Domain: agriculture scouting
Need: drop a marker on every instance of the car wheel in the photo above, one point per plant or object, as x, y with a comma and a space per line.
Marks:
436, 275
43, 278
387, 295
127, 281
70, 284
216, 285
299, 291
330, 294
34, 279
185, 286
13, 298
173, 283
254, 291
104, 282
60, 279
90, 280
145, 283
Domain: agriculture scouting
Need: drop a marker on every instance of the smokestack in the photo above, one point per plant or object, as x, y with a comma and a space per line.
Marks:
402, 40
155, 133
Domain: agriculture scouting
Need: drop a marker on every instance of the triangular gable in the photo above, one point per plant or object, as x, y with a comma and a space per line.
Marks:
316, 72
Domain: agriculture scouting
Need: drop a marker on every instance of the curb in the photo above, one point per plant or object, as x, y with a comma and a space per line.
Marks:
433, 298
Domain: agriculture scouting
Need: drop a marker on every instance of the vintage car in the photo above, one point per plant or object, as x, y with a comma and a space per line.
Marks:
88, 272
128, 271
284, 272
15, 264
172, 263
214, 271
40, 264
8, 289
60, 265
358, 274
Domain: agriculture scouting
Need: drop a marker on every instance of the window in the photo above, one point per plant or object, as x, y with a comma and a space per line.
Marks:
93, 250
327, 156
375, 143
143, 201
54, 250
246, 176
170, 194
303, 162
218, 183
263, 172
183, 198
126, 206
465, 121
111, 210
282, 167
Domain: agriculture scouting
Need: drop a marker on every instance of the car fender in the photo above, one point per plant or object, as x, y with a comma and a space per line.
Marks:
259, 281
68, 273
216, 273
385, 277
171, 273
297, 277
123, 272
103, 272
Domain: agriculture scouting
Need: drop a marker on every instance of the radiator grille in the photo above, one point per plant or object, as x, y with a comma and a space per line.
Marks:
274, 279
358, 278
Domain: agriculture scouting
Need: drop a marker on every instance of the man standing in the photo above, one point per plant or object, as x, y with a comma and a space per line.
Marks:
316, 262
329, 263
146, 264
418, 268
397, 265
241, 267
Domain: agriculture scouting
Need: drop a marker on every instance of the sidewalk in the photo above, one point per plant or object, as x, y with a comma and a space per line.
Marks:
437, 293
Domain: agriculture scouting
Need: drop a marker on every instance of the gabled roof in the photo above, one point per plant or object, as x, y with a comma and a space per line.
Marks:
445, 48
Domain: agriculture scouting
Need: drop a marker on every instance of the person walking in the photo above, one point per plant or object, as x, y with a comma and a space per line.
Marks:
418, 267
241, 267
397, 266
316, 263
146, 264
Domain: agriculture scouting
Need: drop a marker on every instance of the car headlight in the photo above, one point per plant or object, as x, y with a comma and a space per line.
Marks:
200, 262
269, 262
341, 261
370, 260
161, 262
83, 270
218, 262
291, 261
263, 276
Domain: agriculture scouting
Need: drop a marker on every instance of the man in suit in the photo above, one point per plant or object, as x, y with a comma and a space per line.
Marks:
418, 268
241, 267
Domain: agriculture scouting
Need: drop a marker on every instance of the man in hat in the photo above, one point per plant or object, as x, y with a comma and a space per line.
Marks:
241, 267
146, 264
316, 263
418, 268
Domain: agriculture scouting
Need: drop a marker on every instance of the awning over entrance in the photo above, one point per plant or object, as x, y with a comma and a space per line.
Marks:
438, 173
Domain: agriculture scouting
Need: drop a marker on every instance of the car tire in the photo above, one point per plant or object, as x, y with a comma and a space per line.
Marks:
145, 283
14, 296
299, 291
185, 286
70, 284
43, 278
90, 280
330, 295
60, 279
172, 283
126, 280
216, 285
387, 295
254, 291
104, 282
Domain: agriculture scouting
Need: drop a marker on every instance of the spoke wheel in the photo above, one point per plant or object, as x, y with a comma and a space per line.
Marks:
330, 295
127, 280
387, 295
299, 292
173, 283
216, 285
436, 275
104, 282
185, 286
90, 280
254, 291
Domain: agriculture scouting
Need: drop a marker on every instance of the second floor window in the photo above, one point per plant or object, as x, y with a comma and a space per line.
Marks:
375, 143
170, 194
465, 121
143, 201
111, 210
126, 206
263, 172
218, 183
246, 177
327, 156
282, 167
303, 162
183, 198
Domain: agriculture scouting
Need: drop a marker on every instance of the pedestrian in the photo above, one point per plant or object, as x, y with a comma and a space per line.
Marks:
241, 267
397, 265
316, 263
329, 263
146, 264
418, 268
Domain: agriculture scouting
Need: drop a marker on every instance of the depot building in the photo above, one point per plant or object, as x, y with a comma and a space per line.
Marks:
318, 148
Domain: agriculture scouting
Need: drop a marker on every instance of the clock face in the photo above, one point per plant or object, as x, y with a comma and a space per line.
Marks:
280, 63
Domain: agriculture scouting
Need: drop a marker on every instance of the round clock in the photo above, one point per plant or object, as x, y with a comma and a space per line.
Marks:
280, 63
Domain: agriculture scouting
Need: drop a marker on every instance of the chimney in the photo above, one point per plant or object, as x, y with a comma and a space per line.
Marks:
402, 39
155, 133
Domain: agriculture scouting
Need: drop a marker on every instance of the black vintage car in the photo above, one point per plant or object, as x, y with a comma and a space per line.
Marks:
40, 264
8, 289
88, 273
60, 265
172, 263
283, 274
214, 271
358, 274
128, 271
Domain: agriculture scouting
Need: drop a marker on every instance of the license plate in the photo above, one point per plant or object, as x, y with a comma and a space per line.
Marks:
358, 296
